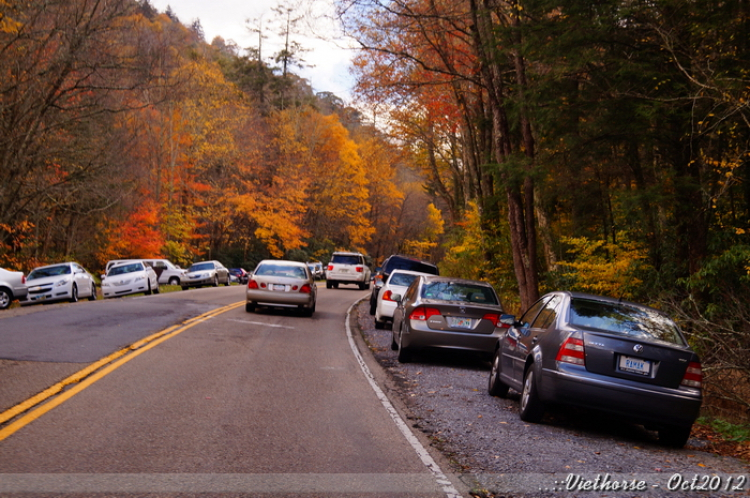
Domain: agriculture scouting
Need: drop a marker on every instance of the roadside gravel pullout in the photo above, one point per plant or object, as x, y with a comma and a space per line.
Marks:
571, 453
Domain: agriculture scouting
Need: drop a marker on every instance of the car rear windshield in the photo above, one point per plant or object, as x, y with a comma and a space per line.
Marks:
411, 265
625, 320
52, 271
281, 271
345, 259
449, 291
402, 279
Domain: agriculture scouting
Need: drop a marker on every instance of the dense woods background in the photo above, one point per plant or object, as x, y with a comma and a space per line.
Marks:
587, 145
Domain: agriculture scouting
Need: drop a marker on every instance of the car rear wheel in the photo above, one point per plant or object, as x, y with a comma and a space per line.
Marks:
92, 297
157, 289
496, 387
149, 291
174, 281
379, 324
216, 280
674, 436
404, 354
249, 307
532, 408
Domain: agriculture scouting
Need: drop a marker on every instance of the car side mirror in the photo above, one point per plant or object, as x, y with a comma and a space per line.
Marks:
508, 320
378, 282
103, 277
397, 298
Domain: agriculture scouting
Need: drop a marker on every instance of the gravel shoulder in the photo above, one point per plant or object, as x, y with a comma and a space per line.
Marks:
571, 453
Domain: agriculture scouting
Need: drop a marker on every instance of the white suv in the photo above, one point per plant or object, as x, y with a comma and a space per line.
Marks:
347, 268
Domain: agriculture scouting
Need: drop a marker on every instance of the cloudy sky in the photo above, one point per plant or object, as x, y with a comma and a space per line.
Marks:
232, 19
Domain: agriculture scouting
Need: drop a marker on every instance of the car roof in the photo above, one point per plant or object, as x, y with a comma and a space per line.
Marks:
438, 278
284, 261
605, 299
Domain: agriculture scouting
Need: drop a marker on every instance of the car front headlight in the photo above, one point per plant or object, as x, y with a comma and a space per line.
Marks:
62, 282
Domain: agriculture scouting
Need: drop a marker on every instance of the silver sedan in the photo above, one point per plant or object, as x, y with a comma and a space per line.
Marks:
281, 283
445, 312
205, 273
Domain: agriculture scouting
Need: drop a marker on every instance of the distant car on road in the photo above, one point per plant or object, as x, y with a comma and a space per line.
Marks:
12, 287
239, 275
282, 283
348, 268
130, 277
316, 268
446, 312
205, 273
600, 353
59, 282
397, 262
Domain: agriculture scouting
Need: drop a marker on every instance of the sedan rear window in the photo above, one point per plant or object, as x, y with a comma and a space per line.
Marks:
402, 279
625, 320
281, 271
449, 291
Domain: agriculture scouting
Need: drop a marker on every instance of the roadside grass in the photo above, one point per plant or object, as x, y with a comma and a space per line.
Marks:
724, 438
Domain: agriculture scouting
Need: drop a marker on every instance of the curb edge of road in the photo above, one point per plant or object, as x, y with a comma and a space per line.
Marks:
382, 379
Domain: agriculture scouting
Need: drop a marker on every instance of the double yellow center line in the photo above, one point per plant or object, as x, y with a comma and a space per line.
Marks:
57, 394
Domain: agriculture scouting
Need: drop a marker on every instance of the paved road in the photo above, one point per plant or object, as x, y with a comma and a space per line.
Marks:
235, 404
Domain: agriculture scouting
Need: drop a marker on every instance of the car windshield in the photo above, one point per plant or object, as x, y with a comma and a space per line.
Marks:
625, 320
450, 291
402, 279
122, 269
201, 267
281, 271
50, 271
345, 259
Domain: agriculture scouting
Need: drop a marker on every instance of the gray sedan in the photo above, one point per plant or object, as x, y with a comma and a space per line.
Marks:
600, 353
281, 283
205, 273
445, 312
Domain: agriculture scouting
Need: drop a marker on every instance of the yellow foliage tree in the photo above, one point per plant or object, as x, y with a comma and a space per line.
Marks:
605, 268
433, 229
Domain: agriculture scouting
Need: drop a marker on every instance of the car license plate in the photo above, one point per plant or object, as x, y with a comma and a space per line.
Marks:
460, 322
635, 365
279, 287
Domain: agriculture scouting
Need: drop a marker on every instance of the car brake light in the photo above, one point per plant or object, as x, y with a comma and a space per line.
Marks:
494, 318
252, 284
422, 313
330, 267
360, 269
572, 351
306, 289
23, 279
387, 296
693, 376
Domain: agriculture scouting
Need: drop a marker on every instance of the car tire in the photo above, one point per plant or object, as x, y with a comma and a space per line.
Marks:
157, 289
674, 436
148, 291
495, 386
174, 281
373, 307
216, 281
74, 294
5, 298
404, 354
184, 287
532, 409
379, 324
93, 296
249, 307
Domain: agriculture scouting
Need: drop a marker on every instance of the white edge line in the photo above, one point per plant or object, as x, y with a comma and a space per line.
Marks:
441, 479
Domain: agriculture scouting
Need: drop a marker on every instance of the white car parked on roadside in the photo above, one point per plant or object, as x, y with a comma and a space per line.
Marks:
130, 277
397, 283
59, 282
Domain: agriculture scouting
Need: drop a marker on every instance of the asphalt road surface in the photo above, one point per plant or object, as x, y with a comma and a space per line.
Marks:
187, 394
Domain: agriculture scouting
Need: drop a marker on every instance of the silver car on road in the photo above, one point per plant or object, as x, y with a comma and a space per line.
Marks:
281, 283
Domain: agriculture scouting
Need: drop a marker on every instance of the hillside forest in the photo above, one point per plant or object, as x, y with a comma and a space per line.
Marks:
599, 146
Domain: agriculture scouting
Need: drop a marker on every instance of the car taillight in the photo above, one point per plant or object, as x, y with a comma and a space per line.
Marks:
252, 284
23, 279
387, 296
330, 267
693, 376
572, 351
305, 289
360, 269
494, 318
422, 313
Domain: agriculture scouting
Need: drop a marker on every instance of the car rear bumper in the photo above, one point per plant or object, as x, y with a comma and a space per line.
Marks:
354, 278
279, 298
643, 403
414, 337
